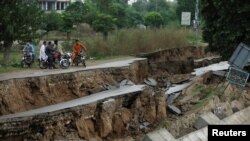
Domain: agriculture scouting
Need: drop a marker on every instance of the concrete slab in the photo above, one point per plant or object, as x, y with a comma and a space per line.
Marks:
159, 135
206, 119
77, 102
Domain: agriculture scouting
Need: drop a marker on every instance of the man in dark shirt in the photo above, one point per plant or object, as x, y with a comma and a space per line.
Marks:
49, 52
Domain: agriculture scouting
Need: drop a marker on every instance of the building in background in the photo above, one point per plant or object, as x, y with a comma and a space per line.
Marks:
54, 5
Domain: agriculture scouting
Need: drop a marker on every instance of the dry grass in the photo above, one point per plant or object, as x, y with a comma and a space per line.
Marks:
136, 41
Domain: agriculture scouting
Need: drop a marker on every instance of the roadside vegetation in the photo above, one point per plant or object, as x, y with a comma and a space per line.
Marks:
108, 28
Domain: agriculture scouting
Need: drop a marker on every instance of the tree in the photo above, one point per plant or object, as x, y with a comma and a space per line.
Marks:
226, 24
77, 11
140, 6
19, 20
133, 17
52, 21
157, 5
153, 19
185, 6
103, 23
103, 5
118, 12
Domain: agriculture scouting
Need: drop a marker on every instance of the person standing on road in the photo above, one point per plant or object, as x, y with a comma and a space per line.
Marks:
77, 48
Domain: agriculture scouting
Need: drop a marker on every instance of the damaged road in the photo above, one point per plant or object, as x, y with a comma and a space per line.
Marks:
112, 101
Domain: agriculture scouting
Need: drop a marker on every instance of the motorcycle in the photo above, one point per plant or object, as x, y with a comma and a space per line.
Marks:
26, 59
80, 59
62, 61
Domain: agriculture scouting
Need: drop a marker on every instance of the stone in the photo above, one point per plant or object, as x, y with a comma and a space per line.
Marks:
144, 125
104, 124
109, 106
85, 128
118, 125
126, 115
236, 105
206, 119
223, 110
72, 136
126, 82
160, 102
96, 138
150, 113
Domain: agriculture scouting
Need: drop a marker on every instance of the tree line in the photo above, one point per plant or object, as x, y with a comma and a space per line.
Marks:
225, 23
21, 19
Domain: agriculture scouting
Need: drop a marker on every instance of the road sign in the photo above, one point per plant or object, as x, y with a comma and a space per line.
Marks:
237, 76
185, 18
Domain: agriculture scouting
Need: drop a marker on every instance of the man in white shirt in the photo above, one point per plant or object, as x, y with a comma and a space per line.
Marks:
43, 55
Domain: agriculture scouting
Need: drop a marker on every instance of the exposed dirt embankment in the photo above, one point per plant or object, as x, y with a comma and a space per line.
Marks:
103, 120
177, 60
18, 95
28, 93
124, 116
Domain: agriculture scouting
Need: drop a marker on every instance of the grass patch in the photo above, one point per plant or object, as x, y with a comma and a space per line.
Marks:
205, 93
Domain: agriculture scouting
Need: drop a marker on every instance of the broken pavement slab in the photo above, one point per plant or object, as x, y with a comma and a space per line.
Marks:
80, 101
174, 109
172, 97
159, 135
178, 88
150, 82
206, 119
241, 117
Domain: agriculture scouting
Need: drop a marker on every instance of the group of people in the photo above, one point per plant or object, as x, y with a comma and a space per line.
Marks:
48, 49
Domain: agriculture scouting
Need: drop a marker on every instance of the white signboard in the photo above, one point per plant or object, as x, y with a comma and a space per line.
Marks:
185, 18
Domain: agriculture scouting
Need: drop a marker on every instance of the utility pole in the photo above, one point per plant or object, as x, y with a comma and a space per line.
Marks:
197, 13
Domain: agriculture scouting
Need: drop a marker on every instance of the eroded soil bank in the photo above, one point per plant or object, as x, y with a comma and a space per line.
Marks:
24, 94
125, 117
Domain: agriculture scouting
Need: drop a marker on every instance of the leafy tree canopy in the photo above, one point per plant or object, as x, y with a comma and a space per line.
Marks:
20, 19
226, 24
77, 11
153, 19
52, 21
103, 23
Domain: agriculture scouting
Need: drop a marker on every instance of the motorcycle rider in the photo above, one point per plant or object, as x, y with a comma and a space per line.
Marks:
58, 47
77, 48
49, 52
28, 49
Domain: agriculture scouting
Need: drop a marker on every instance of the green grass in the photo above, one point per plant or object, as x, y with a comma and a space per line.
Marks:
14, 63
